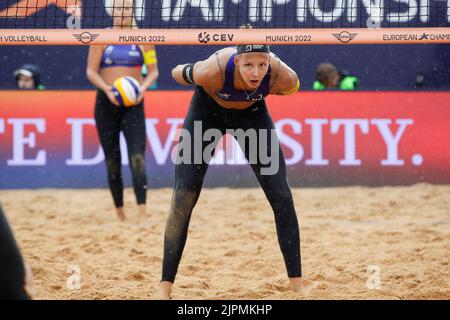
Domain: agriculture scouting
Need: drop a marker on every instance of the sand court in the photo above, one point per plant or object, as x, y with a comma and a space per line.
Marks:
356, 242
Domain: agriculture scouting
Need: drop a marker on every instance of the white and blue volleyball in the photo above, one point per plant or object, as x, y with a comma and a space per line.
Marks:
126, 90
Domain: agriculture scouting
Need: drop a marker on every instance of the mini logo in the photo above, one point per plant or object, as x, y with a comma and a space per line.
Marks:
344, 36
424, 36
203, 37
86, 37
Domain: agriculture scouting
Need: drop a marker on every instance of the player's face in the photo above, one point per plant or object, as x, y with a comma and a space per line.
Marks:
122, 13
25, 82
253, 66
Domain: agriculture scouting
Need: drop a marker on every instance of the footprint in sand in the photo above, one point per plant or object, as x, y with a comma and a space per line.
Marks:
134, 276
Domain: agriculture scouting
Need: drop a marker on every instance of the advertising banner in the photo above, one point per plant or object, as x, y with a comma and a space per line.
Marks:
49, 139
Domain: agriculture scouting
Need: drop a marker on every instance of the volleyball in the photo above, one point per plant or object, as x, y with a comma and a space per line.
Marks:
126, 90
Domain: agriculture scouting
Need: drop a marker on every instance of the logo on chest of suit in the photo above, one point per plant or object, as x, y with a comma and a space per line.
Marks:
133, 52
224, 96
258, 98
109, 50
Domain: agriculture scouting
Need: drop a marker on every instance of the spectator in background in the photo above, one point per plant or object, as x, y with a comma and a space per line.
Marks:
28, 77
328, 77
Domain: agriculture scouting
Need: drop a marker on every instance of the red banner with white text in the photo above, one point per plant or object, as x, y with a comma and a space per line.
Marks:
48, 139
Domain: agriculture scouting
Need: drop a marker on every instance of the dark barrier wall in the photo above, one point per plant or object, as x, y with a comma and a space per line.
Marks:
48, 139
379, 67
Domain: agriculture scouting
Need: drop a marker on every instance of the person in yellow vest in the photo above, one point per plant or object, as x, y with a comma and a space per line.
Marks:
328, 77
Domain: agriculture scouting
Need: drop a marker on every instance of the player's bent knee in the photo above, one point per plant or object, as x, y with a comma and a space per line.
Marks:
183, 202
138, 163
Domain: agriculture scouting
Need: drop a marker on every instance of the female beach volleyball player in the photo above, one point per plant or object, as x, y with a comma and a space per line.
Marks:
229, 94
106, 64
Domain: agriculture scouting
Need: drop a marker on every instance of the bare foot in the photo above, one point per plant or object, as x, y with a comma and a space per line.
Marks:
297, 284
164, 291
120, 213
141, 212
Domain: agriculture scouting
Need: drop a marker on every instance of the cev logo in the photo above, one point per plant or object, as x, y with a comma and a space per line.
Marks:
203, 37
